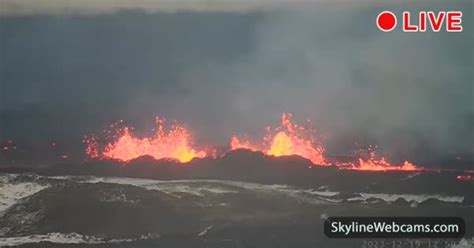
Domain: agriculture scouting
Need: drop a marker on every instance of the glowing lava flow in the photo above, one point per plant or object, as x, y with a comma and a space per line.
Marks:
374, 164
173, 143
288, 139
235, 143
292, 139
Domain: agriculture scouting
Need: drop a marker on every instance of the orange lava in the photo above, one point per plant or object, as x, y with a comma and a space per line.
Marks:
374, 164
92, 147
174, 143
8, 146
465, 178
235, 143
292, 139
288, 139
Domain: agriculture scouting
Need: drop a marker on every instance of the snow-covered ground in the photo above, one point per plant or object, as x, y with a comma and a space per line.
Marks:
61, 238
14, 188
407, 197
11, 192
71, 238
201, 187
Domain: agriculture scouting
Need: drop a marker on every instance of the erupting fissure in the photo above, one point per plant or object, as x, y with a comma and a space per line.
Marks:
285, 140
174, 143
374, 164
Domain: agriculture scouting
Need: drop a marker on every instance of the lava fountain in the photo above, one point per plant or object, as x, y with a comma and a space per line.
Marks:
374, 164
287, 139
174, 142
293, 139
171, 143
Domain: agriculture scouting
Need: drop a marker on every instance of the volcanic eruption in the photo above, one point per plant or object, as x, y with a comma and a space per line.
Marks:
293, 139
175, 142
374, 164
287, 139
169, 143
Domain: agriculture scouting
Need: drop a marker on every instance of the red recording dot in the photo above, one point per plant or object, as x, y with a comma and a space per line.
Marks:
386, 21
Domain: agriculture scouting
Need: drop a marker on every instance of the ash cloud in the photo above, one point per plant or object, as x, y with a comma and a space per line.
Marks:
233, 72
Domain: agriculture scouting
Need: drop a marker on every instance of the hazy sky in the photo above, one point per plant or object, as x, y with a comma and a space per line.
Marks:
69, 68
95, 7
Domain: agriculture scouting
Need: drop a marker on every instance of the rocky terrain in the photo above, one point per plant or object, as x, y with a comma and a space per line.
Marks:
242, 200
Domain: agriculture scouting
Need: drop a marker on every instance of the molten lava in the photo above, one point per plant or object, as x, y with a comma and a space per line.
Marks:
293, 139
288, 139
374, 164
235, 143
466, 178
174, 143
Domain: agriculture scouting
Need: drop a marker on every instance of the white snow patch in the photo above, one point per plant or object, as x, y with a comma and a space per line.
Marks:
11, 192
171, 187
61, 238
207, 229
320, 196
71, 238
202, 187
407, 197
322, 193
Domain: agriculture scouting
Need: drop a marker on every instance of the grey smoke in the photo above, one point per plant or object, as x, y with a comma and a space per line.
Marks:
225, 73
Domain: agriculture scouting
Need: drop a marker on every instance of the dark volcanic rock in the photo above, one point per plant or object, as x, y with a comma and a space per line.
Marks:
243, 199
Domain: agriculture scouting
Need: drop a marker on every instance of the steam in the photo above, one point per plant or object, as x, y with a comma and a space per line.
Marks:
234, 68
410, 94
